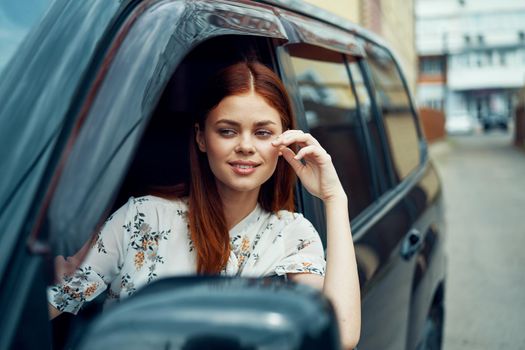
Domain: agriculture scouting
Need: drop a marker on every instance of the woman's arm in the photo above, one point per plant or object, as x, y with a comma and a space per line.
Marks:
341, 283
83, 276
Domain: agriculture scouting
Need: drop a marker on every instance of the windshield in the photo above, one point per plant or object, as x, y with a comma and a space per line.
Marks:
16, 19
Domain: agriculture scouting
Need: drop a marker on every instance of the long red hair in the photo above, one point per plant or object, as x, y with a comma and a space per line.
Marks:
207, 223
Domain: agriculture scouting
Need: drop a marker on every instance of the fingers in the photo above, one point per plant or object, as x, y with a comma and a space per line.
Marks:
289, 155
295, 136
312, 150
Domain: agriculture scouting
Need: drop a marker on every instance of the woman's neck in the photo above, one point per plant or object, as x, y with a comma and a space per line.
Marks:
237, 206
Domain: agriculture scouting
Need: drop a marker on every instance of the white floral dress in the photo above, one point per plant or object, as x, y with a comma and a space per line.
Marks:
148, 238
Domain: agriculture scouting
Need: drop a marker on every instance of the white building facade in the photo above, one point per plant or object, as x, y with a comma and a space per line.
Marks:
478, 48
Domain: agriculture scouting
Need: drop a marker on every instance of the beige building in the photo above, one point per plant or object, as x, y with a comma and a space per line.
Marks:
393, 20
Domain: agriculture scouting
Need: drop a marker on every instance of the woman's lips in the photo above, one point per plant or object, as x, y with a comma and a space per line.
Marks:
243, 168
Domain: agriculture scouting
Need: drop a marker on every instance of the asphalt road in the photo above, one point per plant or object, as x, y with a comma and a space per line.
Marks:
483, 178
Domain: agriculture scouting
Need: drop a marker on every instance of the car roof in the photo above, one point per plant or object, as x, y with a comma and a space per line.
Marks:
312, 11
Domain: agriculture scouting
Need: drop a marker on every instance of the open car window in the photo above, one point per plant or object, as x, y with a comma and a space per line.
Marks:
128, 91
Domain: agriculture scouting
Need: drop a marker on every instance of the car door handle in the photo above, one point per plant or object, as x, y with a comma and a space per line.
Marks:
412, 243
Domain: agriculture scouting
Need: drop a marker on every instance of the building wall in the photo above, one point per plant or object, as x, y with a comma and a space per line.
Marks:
398, 29
349, 9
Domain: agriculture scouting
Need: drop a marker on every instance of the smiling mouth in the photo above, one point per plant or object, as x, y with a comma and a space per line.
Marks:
244, 165
244, 168
241, 166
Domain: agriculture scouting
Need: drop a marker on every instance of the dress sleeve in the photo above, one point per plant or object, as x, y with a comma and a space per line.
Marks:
100, 266
303, 249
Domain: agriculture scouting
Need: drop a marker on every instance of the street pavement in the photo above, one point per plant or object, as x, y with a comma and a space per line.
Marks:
483, 179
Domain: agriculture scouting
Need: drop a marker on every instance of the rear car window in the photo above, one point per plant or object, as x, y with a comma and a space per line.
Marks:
392, 98
332, 118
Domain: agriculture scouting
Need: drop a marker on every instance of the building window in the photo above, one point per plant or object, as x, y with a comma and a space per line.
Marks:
479, 60
431, 65
502, 58
466, 39
435, 104
521, 36
481, 40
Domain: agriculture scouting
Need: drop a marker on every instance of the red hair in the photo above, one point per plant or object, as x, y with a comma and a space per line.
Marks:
207, 223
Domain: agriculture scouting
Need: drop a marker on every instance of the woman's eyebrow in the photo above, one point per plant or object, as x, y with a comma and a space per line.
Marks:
228, 121
264, 123
235, 123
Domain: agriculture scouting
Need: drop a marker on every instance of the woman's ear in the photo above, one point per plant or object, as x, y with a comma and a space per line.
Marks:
199, 138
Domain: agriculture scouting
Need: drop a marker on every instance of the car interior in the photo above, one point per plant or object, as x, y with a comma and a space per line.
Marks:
161, 159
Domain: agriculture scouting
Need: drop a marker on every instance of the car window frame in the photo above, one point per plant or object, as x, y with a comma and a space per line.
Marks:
389, 192
395, 190
376, 180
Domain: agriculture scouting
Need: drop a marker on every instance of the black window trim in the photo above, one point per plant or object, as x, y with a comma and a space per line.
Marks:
370, 150
378, 118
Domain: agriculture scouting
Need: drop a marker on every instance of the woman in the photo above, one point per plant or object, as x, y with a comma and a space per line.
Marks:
236, 217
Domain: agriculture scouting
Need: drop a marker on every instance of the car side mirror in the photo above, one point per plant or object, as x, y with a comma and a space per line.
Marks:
217, 313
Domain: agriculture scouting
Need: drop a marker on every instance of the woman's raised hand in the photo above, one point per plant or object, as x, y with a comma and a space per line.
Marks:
312, 164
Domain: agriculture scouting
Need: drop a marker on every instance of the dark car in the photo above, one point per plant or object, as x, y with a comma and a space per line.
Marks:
96, 106
493, 120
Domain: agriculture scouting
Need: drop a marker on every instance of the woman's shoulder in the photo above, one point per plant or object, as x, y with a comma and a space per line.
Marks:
294, 224
288, 217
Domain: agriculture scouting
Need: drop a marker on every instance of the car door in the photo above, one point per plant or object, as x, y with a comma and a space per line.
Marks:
109, 95
391, 239
414, 178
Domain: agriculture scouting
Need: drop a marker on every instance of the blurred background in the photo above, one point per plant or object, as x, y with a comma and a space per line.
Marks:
465, 64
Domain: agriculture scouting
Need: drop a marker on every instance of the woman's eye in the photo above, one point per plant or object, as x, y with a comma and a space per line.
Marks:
263, 133
227, 132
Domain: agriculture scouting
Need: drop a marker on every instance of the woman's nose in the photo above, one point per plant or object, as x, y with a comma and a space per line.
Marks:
245, 144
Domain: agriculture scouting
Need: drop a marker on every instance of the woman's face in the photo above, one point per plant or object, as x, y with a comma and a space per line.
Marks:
237, 140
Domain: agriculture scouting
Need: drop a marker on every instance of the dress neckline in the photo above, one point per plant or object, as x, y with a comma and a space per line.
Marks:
252, 217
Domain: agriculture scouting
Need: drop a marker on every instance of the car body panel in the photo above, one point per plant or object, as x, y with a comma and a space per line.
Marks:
107, 63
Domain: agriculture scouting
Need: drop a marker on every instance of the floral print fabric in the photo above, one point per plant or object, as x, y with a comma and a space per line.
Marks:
148, 238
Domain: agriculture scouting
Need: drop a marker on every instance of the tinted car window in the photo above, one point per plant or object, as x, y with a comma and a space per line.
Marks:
331, 115
393, 100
